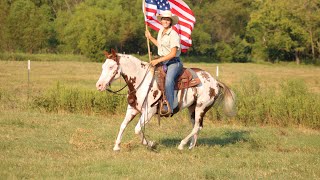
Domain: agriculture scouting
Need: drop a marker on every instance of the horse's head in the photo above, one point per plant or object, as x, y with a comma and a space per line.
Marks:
110, 71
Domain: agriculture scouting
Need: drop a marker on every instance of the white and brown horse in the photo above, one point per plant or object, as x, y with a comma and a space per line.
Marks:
143, 95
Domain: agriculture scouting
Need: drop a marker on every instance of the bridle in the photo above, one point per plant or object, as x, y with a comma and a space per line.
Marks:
132, 91
114, 74
123, 76
116, 92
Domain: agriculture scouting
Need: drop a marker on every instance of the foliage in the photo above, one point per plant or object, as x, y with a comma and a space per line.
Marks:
282, 30
75, 100
293, 105
279, 32
31, 26
99, 25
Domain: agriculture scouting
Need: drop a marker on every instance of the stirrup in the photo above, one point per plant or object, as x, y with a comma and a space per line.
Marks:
164, 112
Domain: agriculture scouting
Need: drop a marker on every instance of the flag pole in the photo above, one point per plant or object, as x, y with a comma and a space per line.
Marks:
148, 43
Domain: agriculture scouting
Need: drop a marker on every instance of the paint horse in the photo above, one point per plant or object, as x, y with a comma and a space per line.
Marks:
144, 94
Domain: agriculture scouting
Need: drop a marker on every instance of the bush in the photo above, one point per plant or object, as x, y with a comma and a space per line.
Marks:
257, 104
73, 100
292, 105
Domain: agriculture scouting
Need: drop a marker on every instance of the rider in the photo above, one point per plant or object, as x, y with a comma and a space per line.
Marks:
169, 50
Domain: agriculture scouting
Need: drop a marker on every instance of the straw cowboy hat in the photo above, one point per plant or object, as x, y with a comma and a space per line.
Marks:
168, 14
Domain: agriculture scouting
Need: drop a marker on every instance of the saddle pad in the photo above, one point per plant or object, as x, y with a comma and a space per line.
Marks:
187, 79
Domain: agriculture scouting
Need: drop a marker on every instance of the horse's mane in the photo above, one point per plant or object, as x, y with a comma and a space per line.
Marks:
132, 58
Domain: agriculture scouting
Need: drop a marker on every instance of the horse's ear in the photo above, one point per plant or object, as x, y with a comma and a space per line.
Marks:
106, 53
114, 53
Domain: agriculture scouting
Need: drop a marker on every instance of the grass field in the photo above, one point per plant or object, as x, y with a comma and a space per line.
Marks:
37, 145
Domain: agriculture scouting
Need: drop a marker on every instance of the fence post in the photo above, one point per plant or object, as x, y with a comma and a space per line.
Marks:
29, 67
217, 72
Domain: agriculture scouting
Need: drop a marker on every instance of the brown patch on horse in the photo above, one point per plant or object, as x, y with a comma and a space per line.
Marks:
203, 113
112, 56
201, 118
212, 92
114, 53
132, 81
143, 66
155, 93
205, 76
132, 98
106, 54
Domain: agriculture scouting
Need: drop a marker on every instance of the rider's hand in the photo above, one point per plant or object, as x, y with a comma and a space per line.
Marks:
147, 34
154, 62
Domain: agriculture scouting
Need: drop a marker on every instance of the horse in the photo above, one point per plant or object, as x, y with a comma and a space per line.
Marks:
144, 94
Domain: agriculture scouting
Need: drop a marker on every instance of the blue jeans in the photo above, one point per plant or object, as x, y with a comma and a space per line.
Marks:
174, 69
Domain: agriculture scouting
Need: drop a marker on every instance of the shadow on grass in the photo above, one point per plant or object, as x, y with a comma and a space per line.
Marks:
227, 138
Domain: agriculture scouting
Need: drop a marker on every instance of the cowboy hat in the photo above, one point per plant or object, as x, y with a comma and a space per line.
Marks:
168, 14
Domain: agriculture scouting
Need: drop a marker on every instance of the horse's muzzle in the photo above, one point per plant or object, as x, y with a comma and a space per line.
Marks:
101, 87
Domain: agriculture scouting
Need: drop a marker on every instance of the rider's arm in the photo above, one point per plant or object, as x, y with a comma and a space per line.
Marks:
169, 56
153, 40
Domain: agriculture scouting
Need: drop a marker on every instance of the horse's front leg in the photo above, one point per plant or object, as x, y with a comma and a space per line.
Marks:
144, 119
130, 114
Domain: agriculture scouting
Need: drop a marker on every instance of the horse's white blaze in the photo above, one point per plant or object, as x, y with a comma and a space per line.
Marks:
139, 76
109, 68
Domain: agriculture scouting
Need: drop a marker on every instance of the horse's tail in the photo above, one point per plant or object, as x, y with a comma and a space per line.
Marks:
228, 97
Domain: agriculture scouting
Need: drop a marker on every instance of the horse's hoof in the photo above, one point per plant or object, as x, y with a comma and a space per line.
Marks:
152, 145
145, 143
191, 146
180, 147
116, 148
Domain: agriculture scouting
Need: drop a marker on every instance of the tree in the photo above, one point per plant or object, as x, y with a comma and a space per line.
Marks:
309, 13
277, 31
3, 25
29, 26
218, 22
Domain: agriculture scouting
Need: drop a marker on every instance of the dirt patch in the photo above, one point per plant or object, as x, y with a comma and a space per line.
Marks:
84, 139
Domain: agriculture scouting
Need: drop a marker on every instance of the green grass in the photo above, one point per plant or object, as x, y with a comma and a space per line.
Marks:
35, 145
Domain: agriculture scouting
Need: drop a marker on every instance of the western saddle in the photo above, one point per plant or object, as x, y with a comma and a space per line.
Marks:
187, 79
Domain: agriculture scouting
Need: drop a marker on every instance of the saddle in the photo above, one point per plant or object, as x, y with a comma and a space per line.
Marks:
187, 79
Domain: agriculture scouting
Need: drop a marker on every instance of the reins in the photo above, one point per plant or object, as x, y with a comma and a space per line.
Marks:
150, 144
116, 92
145, 116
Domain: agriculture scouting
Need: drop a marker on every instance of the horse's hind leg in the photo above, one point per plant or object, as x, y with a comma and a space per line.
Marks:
130, 114
200, 111
195, 129
197, 117
193, 132
192, 119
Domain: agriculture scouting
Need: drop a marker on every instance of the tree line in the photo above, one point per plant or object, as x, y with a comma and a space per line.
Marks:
226, 31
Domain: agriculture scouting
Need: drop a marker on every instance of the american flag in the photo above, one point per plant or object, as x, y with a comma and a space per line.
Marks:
177, 7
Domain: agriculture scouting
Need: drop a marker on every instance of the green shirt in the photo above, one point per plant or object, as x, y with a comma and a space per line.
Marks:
168, 41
